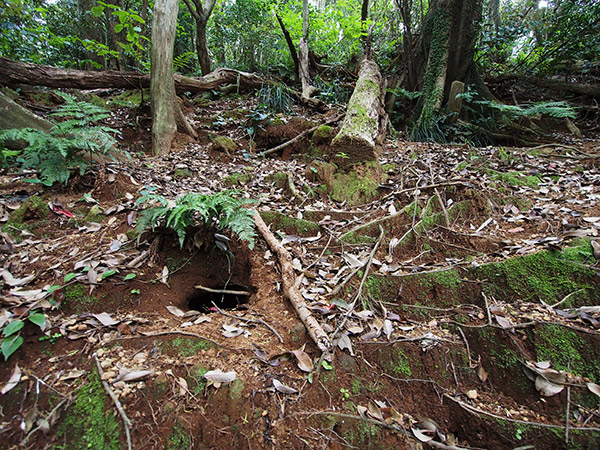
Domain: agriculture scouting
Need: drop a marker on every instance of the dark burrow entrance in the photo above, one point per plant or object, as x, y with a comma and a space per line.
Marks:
224, 297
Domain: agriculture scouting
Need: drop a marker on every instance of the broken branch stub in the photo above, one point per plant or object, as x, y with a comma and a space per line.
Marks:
365, 123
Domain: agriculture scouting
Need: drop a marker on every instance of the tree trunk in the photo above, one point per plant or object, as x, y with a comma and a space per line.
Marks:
291, 47
166, 112
14, 73
201, 13
554, 85
450, 32
365, 123
92, 29
308, 90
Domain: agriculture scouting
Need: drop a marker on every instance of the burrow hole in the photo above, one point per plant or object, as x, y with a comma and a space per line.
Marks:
203, 301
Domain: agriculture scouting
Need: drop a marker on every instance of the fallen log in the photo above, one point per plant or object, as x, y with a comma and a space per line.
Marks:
554, 85
365, 123
13, 73
288, 279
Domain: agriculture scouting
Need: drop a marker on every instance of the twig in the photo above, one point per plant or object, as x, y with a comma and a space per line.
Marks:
221, 291
39, 427
565, 298
487, 308
360, 287
245, 319
115, 399
428, 186
300, 136
568, 405
467, 345
478, 411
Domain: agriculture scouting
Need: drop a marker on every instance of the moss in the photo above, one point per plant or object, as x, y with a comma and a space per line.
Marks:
390, 167
179, 438
34, 208
225, 144
183, 173
278, 179
547, 275
94, 215
90, 422
363, 435
322, 135
376, 287
567, 350
237, 179
400, 363
77, 298
236, 389
186, 346
196, 380
516, 178
289, 224
360, 185
356, 238
128, 98
356, 386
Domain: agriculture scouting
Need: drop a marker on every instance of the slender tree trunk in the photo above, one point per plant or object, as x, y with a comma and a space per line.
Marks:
201, 13
166, 112
308, 90
291, 46
92, 29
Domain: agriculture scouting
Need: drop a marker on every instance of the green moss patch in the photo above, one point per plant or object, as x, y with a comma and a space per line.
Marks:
516, 178
237, 179
288, 224
77, 298
179, 438
186, 346
547, 275
89, 422
34, 208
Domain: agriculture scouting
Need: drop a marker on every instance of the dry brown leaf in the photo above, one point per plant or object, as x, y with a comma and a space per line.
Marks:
547, 388
279, 386
13, 381
175, 311
305, 362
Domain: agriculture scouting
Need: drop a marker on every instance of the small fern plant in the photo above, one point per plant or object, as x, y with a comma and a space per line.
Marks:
222, 210
55, 153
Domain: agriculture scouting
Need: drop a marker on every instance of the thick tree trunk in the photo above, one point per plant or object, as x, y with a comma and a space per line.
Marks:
14, 73
364, 126
291, 46
166, 112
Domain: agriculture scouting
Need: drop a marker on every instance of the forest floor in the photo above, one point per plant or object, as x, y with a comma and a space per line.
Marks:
475, 275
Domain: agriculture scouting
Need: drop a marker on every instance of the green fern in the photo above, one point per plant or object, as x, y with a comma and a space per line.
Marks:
54, 154
223, 210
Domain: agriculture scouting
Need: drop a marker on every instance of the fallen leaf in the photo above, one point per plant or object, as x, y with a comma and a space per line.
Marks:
503, 322
593, 387
482, 374
175, 311
183, 386
283, 388
420, 435
305, 362
133, 375
73, 374
12, 281
547, 388
472, 394
165, 275
106, 319
13, 381
217, 377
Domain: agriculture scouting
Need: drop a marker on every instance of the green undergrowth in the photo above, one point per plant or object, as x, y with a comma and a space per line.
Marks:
89, 422
288, 224
516, 178
186, 346
357, 186
77, 297
546, 275
179, 438
237, 179
567, 350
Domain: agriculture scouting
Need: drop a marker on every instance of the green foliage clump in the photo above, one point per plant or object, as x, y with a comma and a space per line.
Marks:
187, 346
223, 210
63, 148
78, 299
516, 179
289, 224
400, 364
179, 438
89, 423
275, 98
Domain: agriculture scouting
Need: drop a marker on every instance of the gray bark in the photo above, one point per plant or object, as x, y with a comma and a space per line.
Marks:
201, 13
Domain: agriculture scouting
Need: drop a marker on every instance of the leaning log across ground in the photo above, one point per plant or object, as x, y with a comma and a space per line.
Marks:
365, 123
13, 73
289, 287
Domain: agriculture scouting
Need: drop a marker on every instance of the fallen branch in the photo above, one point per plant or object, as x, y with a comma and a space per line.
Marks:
300, 136
289, 289
115, 399
480, 412
221, 291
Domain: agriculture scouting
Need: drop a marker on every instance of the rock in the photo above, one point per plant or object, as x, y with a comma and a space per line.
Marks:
224, 144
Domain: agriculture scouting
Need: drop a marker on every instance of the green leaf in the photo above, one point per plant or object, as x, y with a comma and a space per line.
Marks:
130, 276
119, 27
326, 365
10, 345
108, 273
39, 319
69, 277
135, 291
51, 289
97, 11
13, 327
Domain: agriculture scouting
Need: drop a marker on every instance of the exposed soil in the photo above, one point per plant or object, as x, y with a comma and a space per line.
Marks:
484, 268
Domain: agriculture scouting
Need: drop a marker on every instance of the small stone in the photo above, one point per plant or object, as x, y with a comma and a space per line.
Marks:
100, 352
119, 385
108, 375
140, 358
106, 363
472, 394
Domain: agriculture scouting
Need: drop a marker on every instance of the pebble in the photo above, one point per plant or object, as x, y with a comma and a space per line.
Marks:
100, 352
108, 375
140, 358
119, 385
105, 364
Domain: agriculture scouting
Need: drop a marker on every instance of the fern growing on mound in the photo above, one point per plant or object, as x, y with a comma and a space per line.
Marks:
223, 210
56, 152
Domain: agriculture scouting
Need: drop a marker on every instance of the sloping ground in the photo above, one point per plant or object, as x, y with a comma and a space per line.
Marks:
463, 303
